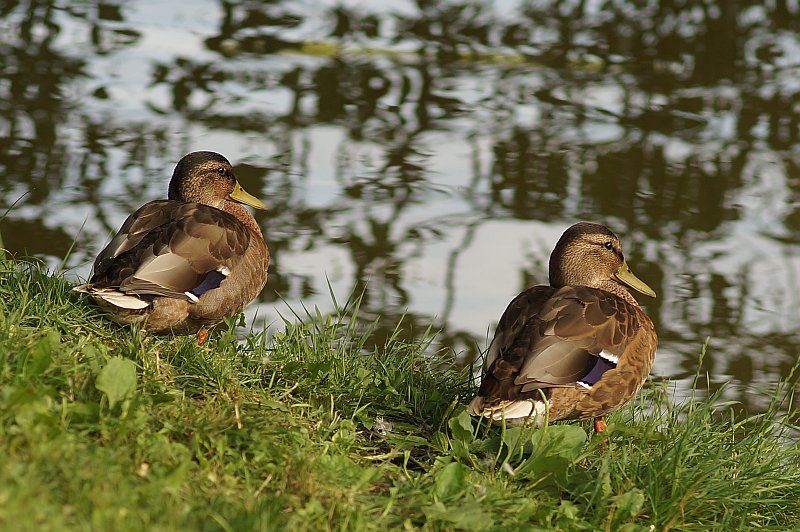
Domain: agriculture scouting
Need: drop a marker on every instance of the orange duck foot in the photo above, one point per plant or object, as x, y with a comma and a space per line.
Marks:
599, 425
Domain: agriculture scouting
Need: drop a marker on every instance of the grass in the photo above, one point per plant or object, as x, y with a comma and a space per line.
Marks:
105, 428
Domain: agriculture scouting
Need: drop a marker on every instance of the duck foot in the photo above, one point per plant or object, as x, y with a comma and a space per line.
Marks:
202, 336
599, 425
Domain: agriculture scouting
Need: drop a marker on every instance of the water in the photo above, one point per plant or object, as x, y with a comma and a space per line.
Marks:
430, 154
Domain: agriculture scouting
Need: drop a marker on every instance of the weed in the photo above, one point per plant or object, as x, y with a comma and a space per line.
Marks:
106, 427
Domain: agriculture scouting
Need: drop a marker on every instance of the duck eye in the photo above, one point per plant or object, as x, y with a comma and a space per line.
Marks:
609, 246
221, 170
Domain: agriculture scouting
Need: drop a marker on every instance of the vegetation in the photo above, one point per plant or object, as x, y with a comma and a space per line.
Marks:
107, 428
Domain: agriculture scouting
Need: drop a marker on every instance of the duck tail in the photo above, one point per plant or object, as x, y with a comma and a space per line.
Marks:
515, 412
112, 297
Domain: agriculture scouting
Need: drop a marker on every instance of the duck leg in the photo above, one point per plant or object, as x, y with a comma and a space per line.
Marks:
599, 424
202, 336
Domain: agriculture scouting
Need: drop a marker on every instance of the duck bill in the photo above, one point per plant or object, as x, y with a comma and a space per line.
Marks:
625, 276
241, 196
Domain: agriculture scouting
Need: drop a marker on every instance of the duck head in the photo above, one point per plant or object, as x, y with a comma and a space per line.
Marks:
207, 177
590, 254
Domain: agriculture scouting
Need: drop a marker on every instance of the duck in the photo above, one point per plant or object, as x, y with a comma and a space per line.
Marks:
183, 264
578, 348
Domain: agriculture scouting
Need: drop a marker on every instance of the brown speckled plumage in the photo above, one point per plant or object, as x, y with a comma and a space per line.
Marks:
167, 248
552, 338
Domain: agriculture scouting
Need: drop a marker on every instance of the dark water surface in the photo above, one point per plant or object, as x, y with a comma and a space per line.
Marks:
432, 153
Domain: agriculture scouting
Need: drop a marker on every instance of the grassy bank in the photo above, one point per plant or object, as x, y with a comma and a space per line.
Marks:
104, 428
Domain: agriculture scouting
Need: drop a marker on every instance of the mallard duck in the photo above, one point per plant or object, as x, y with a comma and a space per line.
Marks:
578, 348
185, 263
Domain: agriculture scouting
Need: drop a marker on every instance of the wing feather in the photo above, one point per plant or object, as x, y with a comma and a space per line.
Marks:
551, 337
166, 248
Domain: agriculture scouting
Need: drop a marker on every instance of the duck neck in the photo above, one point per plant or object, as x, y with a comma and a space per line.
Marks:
618, 290
243, 214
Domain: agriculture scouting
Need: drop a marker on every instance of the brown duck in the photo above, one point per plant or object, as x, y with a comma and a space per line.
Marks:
185, 263
577, 349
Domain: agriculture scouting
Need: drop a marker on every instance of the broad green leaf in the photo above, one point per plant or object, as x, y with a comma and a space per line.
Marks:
274, 405
554, 449
117, 380
569, 510
629, 504
462, 451
465, 517
516, 439
568, 517
406, 441
342, 471
441, 442
451, 480
461, 426
42, 354
560, 440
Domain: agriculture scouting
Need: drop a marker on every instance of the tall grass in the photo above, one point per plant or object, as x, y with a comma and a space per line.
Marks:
105, 427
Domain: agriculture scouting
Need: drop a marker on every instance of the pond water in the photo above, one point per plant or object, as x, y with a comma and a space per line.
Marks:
429, 154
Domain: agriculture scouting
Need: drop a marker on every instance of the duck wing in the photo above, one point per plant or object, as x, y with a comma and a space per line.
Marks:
551, 337
173, 249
